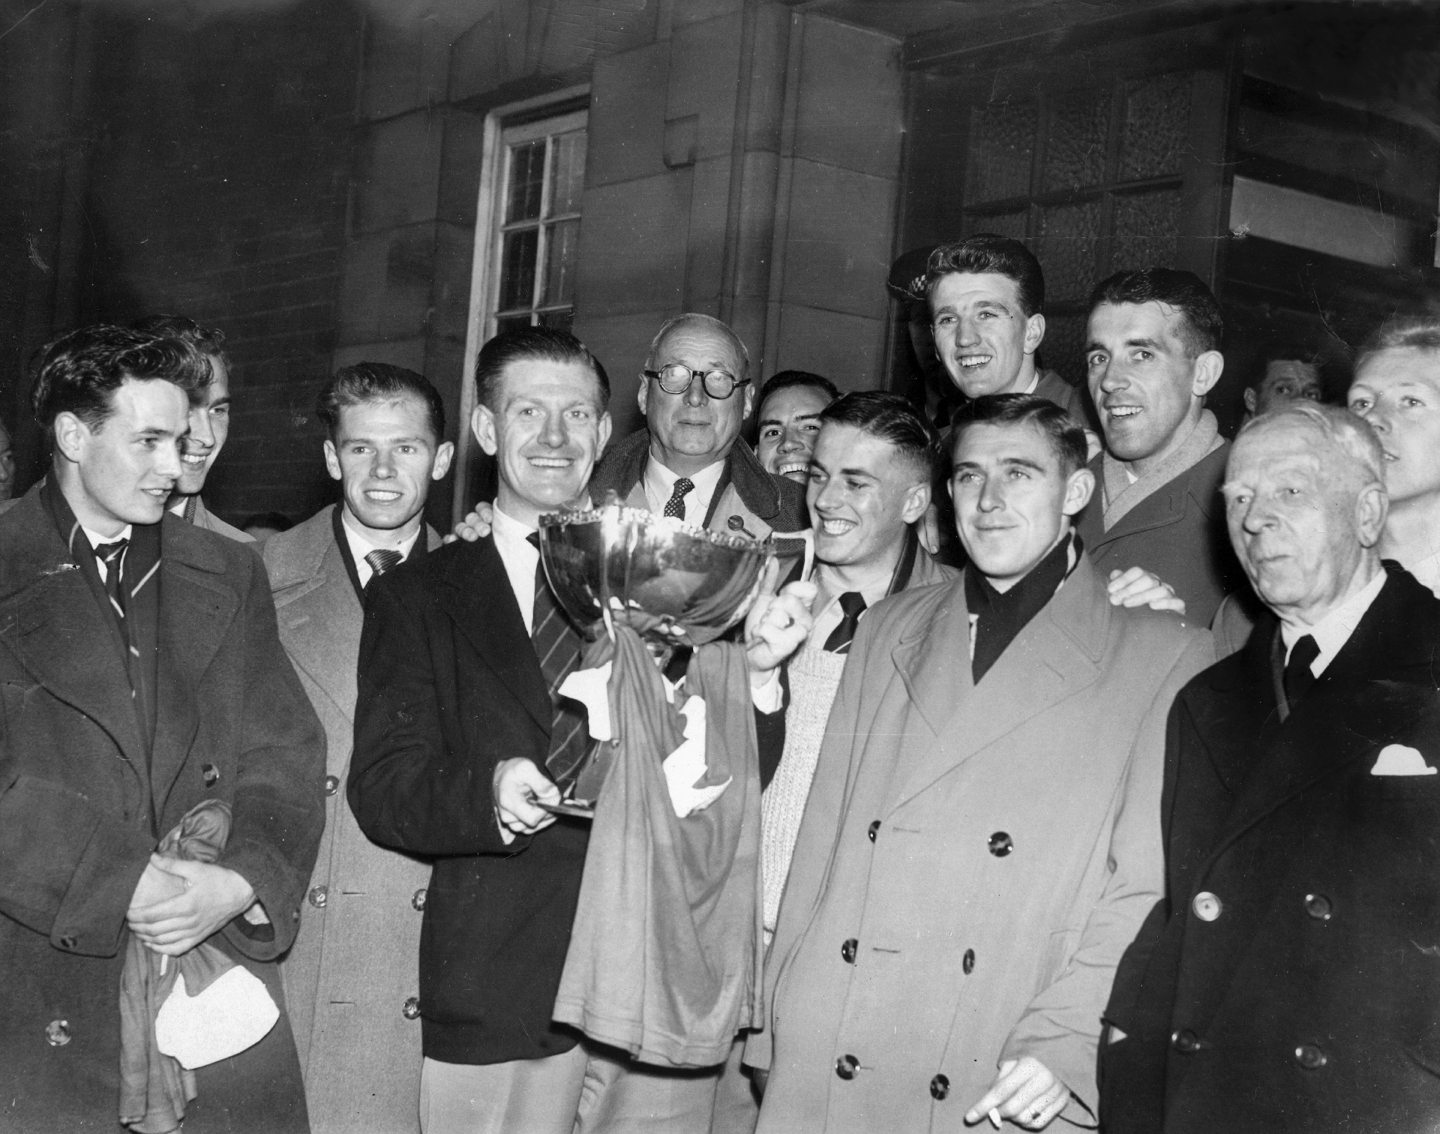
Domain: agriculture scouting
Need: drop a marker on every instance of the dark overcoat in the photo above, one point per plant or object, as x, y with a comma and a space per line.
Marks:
82, 805
1291, 978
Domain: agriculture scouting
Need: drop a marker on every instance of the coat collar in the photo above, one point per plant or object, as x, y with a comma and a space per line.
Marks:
1196, 487
1055, 656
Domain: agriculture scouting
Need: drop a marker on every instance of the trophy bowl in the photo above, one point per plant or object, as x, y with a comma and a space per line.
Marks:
672, 582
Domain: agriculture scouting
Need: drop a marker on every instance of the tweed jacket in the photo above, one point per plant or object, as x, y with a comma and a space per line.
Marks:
82, 805
1177, 532
354, 967
972, 861
1290, 980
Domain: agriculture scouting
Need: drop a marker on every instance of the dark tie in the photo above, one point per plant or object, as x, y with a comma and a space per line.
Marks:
675, 506
382, 559
557, 646
853, 604
1298, 675
113, 556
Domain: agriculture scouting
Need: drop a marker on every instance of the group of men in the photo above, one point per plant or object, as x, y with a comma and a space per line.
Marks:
1026, 853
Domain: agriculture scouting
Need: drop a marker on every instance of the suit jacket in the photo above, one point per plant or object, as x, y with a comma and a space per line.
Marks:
972, 862
748, 497
449, 685
355, 963
1177, 532
1291, 978
82, 805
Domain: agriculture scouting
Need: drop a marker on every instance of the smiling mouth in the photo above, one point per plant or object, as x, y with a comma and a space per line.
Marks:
970, 361
1123, 411
382, 495
795, 470
837, 527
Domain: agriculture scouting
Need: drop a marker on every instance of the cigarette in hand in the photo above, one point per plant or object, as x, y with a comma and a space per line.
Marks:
994, 1116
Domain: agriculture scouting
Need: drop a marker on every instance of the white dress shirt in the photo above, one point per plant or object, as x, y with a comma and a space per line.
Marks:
361, 547
1334, 630
659, 484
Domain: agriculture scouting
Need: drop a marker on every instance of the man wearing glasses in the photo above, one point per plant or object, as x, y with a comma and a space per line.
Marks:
689, 461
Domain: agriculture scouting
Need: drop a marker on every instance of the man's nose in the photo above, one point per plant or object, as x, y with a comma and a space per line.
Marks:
202, 430
695, 394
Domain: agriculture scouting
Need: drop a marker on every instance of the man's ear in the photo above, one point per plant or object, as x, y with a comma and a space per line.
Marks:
915, 502
1205, 372
1034, 332
1079, 487
332, 460
749, 389
602, 429
1249, 399
482, 424
1371, 508
444, 454
71, 436
642, 395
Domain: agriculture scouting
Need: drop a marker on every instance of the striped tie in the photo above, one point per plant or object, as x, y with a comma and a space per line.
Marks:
557, 646
113, 556
382, 559
675, 506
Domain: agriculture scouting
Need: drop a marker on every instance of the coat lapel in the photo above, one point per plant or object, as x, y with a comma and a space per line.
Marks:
51, 622
1053, 658
197, 605
483, 607
320, 620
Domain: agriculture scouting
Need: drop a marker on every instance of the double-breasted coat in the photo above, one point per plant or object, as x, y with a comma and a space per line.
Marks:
973, 860
1291, 978
352, 979
82, 805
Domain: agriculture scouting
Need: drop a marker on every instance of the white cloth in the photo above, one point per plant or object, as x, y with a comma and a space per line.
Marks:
659, 485
361, 547
520, 559
95, 539
234, 1012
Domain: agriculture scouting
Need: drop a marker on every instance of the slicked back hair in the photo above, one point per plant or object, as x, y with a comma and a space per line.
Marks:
1202, 326
207, 340
545, 344
892, 419
1342, 428
79, 372
377, 382
1417, 331
797, 379
990, 252
1065, 434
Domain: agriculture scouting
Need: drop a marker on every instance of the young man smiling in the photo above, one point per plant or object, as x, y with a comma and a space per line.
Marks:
980, 840
386, 446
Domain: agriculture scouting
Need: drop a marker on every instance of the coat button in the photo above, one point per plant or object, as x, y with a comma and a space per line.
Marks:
1310, 1057
967, 962
417, 899
57, 1033
939, 1087
846, 1066
1185, 1041
210, 774
332, 784
411, 1008
847, 950
1319, 907
1206, 905
319, 895
69, 941
873, 830
1001, 844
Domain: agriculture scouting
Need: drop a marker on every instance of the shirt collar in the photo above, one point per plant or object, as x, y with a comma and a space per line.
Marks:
95, 539
660, 481
1334, 630
360, 546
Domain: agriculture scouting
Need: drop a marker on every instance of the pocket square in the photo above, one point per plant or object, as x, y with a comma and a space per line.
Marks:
1401, 760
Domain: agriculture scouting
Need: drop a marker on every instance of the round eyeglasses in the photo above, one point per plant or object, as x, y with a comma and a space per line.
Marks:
676, 378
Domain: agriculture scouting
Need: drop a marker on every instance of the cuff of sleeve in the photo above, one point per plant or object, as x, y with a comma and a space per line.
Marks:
769, 696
